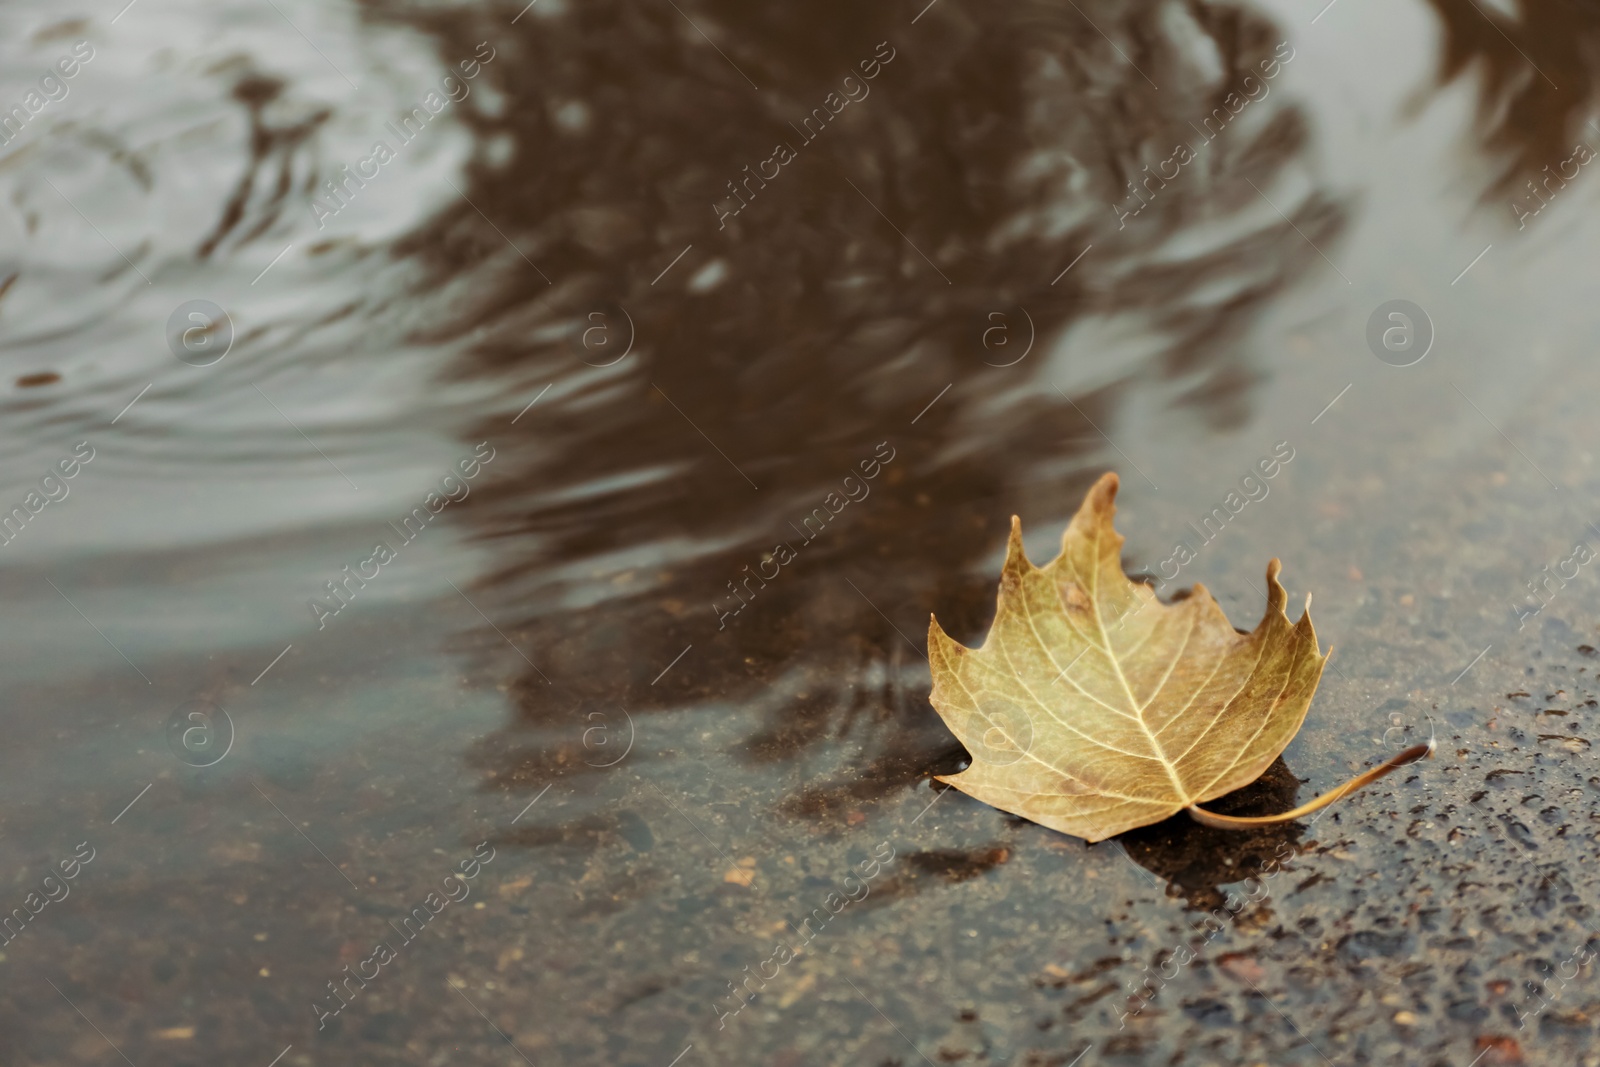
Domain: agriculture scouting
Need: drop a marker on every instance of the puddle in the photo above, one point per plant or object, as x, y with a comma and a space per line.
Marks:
544, 433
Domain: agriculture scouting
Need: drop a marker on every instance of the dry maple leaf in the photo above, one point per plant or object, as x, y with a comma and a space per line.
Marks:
1093, 708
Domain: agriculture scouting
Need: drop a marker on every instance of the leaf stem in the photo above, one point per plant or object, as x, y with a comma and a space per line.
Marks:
1234, 822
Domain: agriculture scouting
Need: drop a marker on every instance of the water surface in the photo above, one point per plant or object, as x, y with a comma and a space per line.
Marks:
606, 370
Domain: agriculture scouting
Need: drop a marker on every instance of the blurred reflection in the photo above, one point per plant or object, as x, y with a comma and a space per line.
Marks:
267, 143
1536, 80
809, 337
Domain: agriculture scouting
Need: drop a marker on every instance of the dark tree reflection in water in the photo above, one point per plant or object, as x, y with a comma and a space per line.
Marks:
855, 287
1535, 81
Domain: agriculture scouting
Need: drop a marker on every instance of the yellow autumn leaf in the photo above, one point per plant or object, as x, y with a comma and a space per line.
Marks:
1093, 708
